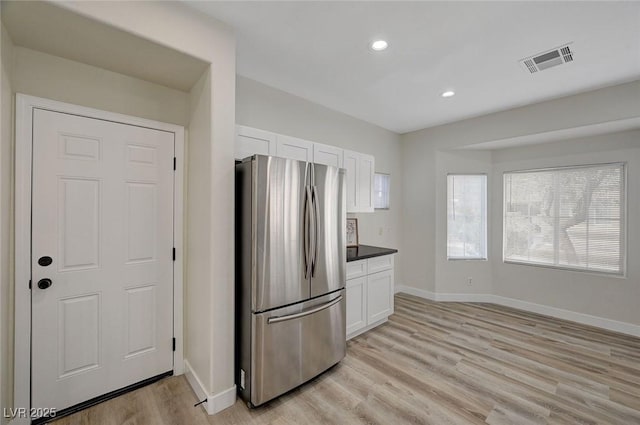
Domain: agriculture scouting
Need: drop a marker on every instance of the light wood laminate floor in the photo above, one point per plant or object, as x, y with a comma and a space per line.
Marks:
434, 363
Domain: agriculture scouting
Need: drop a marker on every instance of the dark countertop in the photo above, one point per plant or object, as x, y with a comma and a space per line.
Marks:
366, 251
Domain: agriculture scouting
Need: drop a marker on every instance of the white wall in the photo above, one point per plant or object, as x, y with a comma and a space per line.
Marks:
198, 291
428, 155
6, 219
452, 276
264, 107
174, 25
52, 77
595, 294
417, 264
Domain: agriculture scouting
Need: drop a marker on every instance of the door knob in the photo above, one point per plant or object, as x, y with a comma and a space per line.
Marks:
44, 283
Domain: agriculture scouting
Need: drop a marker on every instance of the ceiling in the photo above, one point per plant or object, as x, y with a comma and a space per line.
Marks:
54, 30
319, 51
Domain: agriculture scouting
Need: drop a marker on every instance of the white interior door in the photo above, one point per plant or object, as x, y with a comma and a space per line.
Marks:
103, 212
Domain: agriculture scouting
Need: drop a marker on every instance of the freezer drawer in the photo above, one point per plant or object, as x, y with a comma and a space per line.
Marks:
293, 344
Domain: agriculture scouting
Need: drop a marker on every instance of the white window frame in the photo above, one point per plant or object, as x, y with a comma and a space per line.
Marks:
623, 221
485, 216
388, 207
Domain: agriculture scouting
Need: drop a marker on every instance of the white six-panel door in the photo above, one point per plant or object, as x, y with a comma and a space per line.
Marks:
102, 210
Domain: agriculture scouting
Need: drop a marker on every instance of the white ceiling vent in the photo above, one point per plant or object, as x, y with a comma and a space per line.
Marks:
548, 59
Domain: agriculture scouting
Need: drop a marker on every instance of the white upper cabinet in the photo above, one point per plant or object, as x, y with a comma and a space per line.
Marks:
351, 164
293, 148
360, 167
251, 141
327, 155
366, 175
360, 173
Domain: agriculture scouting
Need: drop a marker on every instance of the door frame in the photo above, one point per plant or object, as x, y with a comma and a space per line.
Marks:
25, 106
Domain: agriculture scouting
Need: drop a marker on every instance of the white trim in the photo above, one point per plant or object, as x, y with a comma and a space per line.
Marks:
463, 298
559, 313
367, 328
23, 155
410, 290
573, 316
178, 241
215, 403
22, 241
223, 400
195, 382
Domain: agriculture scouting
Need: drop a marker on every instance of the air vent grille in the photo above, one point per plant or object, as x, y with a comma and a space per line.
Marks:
567, 55
548, 59
531, 66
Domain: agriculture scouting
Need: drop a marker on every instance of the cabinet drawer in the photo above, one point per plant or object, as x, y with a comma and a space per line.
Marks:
356, 269
378, 264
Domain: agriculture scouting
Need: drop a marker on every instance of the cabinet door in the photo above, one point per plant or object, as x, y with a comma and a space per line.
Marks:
352, 166
294, 148
327, 155
251, 141
366, 172
379, 296
356, 304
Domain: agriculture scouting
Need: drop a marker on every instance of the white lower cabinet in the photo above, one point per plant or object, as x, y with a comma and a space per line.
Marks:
379, 296
356, 304
369, 293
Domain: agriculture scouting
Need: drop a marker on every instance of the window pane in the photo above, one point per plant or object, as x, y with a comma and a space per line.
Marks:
381, 185
566, 217
467, 216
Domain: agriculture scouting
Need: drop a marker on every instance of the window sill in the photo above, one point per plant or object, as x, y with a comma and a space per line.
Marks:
467, 259
568, 269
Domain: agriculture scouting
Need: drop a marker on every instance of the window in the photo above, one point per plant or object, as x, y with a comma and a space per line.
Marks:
467, 217
570, 217
381, 184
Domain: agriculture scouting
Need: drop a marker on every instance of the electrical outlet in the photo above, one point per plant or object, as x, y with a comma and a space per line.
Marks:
469, 280
242, 383
380, 231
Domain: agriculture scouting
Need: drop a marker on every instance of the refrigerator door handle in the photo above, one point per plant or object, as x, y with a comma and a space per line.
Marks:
277, 319
306, 233
316, 236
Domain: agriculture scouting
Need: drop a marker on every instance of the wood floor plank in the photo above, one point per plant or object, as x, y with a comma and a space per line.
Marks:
433, 363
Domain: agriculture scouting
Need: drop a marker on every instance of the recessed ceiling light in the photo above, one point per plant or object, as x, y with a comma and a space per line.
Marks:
448, 93
379, 45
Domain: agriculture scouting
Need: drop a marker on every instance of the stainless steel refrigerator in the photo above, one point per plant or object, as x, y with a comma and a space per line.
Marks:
290, 274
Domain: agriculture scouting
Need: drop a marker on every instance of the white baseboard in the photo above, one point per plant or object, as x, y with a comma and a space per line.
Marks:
367, 328
464, 298
194, 381
415, 291
221, 401
445, 297
216, 402
585, 319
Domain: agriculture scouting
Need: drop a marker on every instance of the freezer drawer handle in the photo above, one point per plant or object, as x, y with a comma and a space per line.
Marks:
277, 319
